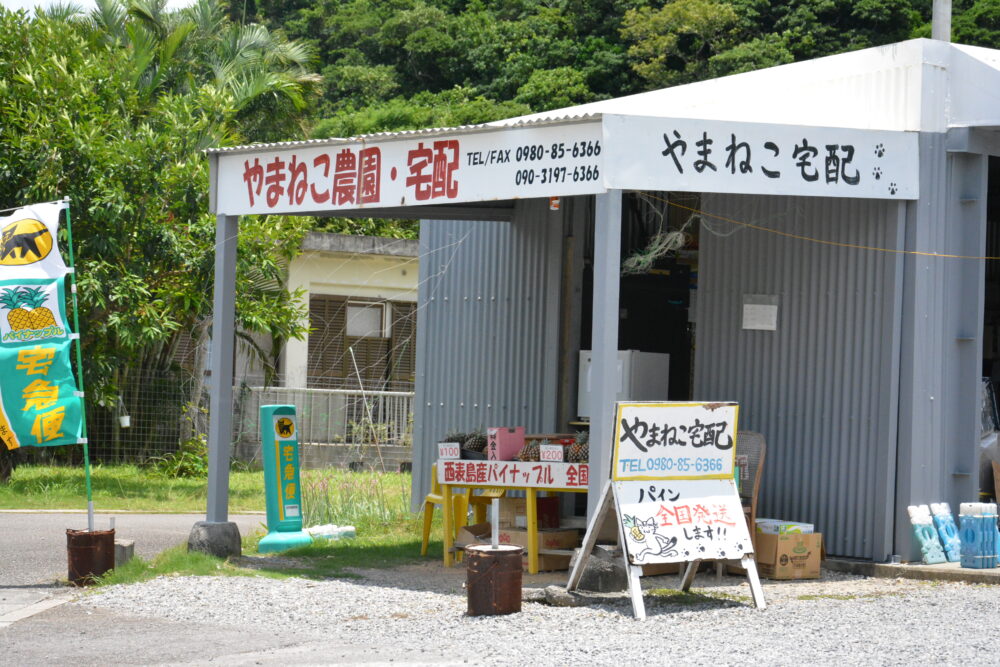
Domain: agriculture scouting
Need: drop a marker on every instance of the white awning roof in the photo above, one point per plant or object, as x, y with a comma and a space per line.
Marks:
840, 126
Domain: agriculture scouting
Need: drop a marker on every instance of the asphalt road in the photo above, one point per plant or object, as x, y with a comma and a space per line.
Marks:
33, 544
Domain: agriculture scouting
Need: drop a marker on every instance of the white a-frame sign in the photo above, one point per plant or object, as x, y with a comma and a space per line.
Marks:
673, 489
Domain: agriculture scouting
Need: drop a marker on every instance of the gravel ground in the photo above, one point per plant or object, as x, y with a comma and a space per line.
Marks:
416, 614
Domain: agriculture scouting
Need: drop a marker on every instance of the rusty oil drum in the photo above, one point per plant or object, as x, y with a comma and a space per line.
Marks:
90, 554
493, 580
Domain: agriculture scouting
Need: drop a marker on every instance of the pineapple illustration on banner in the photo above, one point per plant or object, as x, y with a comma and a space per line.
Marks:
39, 402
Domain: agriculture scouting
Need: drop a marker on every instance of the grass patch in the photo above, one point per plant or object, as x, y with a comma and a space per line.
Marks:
696, 596
376, 504
123, 487
844, 596
322, 560
373, 502
178, 561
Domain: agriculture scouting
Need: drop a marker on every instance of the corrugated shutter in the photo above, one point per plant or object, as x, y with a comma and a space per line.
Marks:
403, 352
327, 319
371, 356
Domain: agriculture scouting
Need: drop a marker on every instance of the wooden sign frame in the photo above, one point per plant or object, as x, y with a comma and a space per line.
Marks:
611, 499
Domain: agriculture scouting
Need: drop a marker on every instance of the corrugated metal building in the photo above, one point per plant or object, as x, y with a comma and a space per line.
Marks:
867, 387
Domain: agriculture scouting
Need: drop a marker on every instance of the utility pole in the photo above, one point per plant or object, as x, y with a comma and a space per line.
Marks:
941, 20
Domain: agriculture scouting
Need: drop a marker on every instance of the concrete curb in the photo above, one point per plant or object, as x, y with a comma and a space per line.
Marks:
32, 609
942, 572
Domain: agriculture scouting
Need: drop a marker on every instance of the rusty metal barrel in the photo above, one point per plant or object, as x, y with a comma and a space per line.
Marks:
90, 554
493, 581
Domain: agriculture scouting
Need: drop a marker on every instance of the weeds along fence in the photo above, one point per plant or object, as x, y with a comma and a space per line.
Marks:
160, 412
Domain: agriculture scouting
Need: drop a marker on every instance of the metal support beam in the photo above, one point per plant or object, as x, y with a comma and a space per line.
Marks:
220, 423
604, 338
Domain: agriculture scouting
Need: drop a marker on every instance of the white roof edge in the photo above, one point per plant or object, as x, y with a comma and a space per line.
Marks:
407, 134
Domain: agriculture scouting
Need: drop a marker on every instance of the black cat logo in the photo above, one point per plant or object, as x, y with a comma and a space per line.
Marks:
284, 427
24, 242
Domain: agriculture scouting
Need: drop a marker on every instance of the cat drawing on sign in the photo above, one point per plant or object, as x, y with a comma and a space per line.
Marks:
643, 533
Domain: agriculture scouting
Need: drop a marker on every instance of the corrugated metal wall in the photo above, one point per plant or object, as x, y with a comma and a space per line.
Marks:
941, 348
822, 387
488, 328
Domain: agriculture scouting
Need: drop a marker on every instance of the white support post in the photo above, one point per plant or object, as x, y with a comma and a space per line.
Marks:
590, 539
750, 565
220, 423
635, 592
604, 339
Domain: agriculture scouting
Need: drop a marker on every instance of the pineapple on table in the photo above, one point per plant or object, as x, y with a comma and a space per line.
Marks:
475, 442
579, 451
531, 450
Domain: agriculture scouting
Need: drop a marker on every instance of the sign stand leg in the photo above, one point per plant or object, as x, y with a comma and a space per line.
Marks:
590, 539
446, 510
531, 507
750, 565
635, 592
688, 578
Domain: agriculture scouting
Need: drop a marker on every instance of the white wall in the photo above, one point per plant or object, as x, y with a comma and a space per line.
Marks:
393, 278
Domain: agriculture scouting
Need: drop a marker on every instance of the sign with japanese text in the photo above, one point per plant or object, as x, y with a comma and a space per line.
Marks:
674, 441
647, 153
513, 163
280, 452
672, 493
39, 402
514, 474
675, 521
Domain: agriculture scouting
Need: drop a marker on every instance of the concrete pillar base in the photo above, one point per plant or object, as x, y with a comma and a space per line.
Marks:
218, 539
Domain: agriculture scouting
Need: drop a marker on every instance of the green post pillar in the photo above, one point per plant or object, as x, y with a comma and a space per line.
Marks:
280, 451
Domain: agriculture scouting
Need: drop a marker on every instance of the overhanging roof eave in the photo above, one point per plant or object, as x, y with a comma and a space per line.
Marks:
492, 126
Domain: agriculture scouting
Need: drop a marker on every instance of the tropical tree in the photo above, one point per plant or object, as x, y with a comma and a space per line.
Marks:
85, 118
265, 79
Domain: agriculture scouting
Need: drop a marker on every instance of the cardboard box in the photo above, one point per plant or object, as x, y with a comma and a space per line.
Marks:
481, 533
779, 527
547, 539
477, 533
789, 556
660, 569
514, 512
503, 443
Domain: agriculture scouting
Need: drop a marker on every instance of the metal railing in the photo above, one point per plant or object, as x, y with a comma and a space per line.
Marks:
333, 416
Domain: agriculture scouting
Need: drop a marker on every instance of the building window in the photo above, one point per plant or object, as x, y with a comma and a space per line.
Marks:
366, 320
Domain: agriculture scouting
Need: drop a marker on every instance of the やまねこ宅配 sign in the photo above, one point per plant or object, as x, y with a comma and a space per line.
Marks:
702, 155
674, 441
673, 492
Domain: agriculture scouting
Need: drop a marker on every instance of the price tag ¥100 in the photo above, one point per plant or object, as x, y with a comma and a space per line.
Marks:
449, 450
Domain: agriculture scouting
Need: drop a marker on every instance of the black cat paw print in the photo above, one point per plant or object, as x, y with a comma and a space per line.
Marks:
879, 150
877, 173
701, 549
893, 188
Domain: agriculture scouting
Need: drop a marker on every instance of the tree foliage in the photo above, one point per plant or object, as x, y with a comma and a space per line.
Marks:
385, 61
120, 134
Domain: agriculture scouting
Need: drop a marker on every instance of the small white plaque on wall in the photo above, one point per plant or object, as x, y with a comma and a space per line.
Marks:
760, 312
